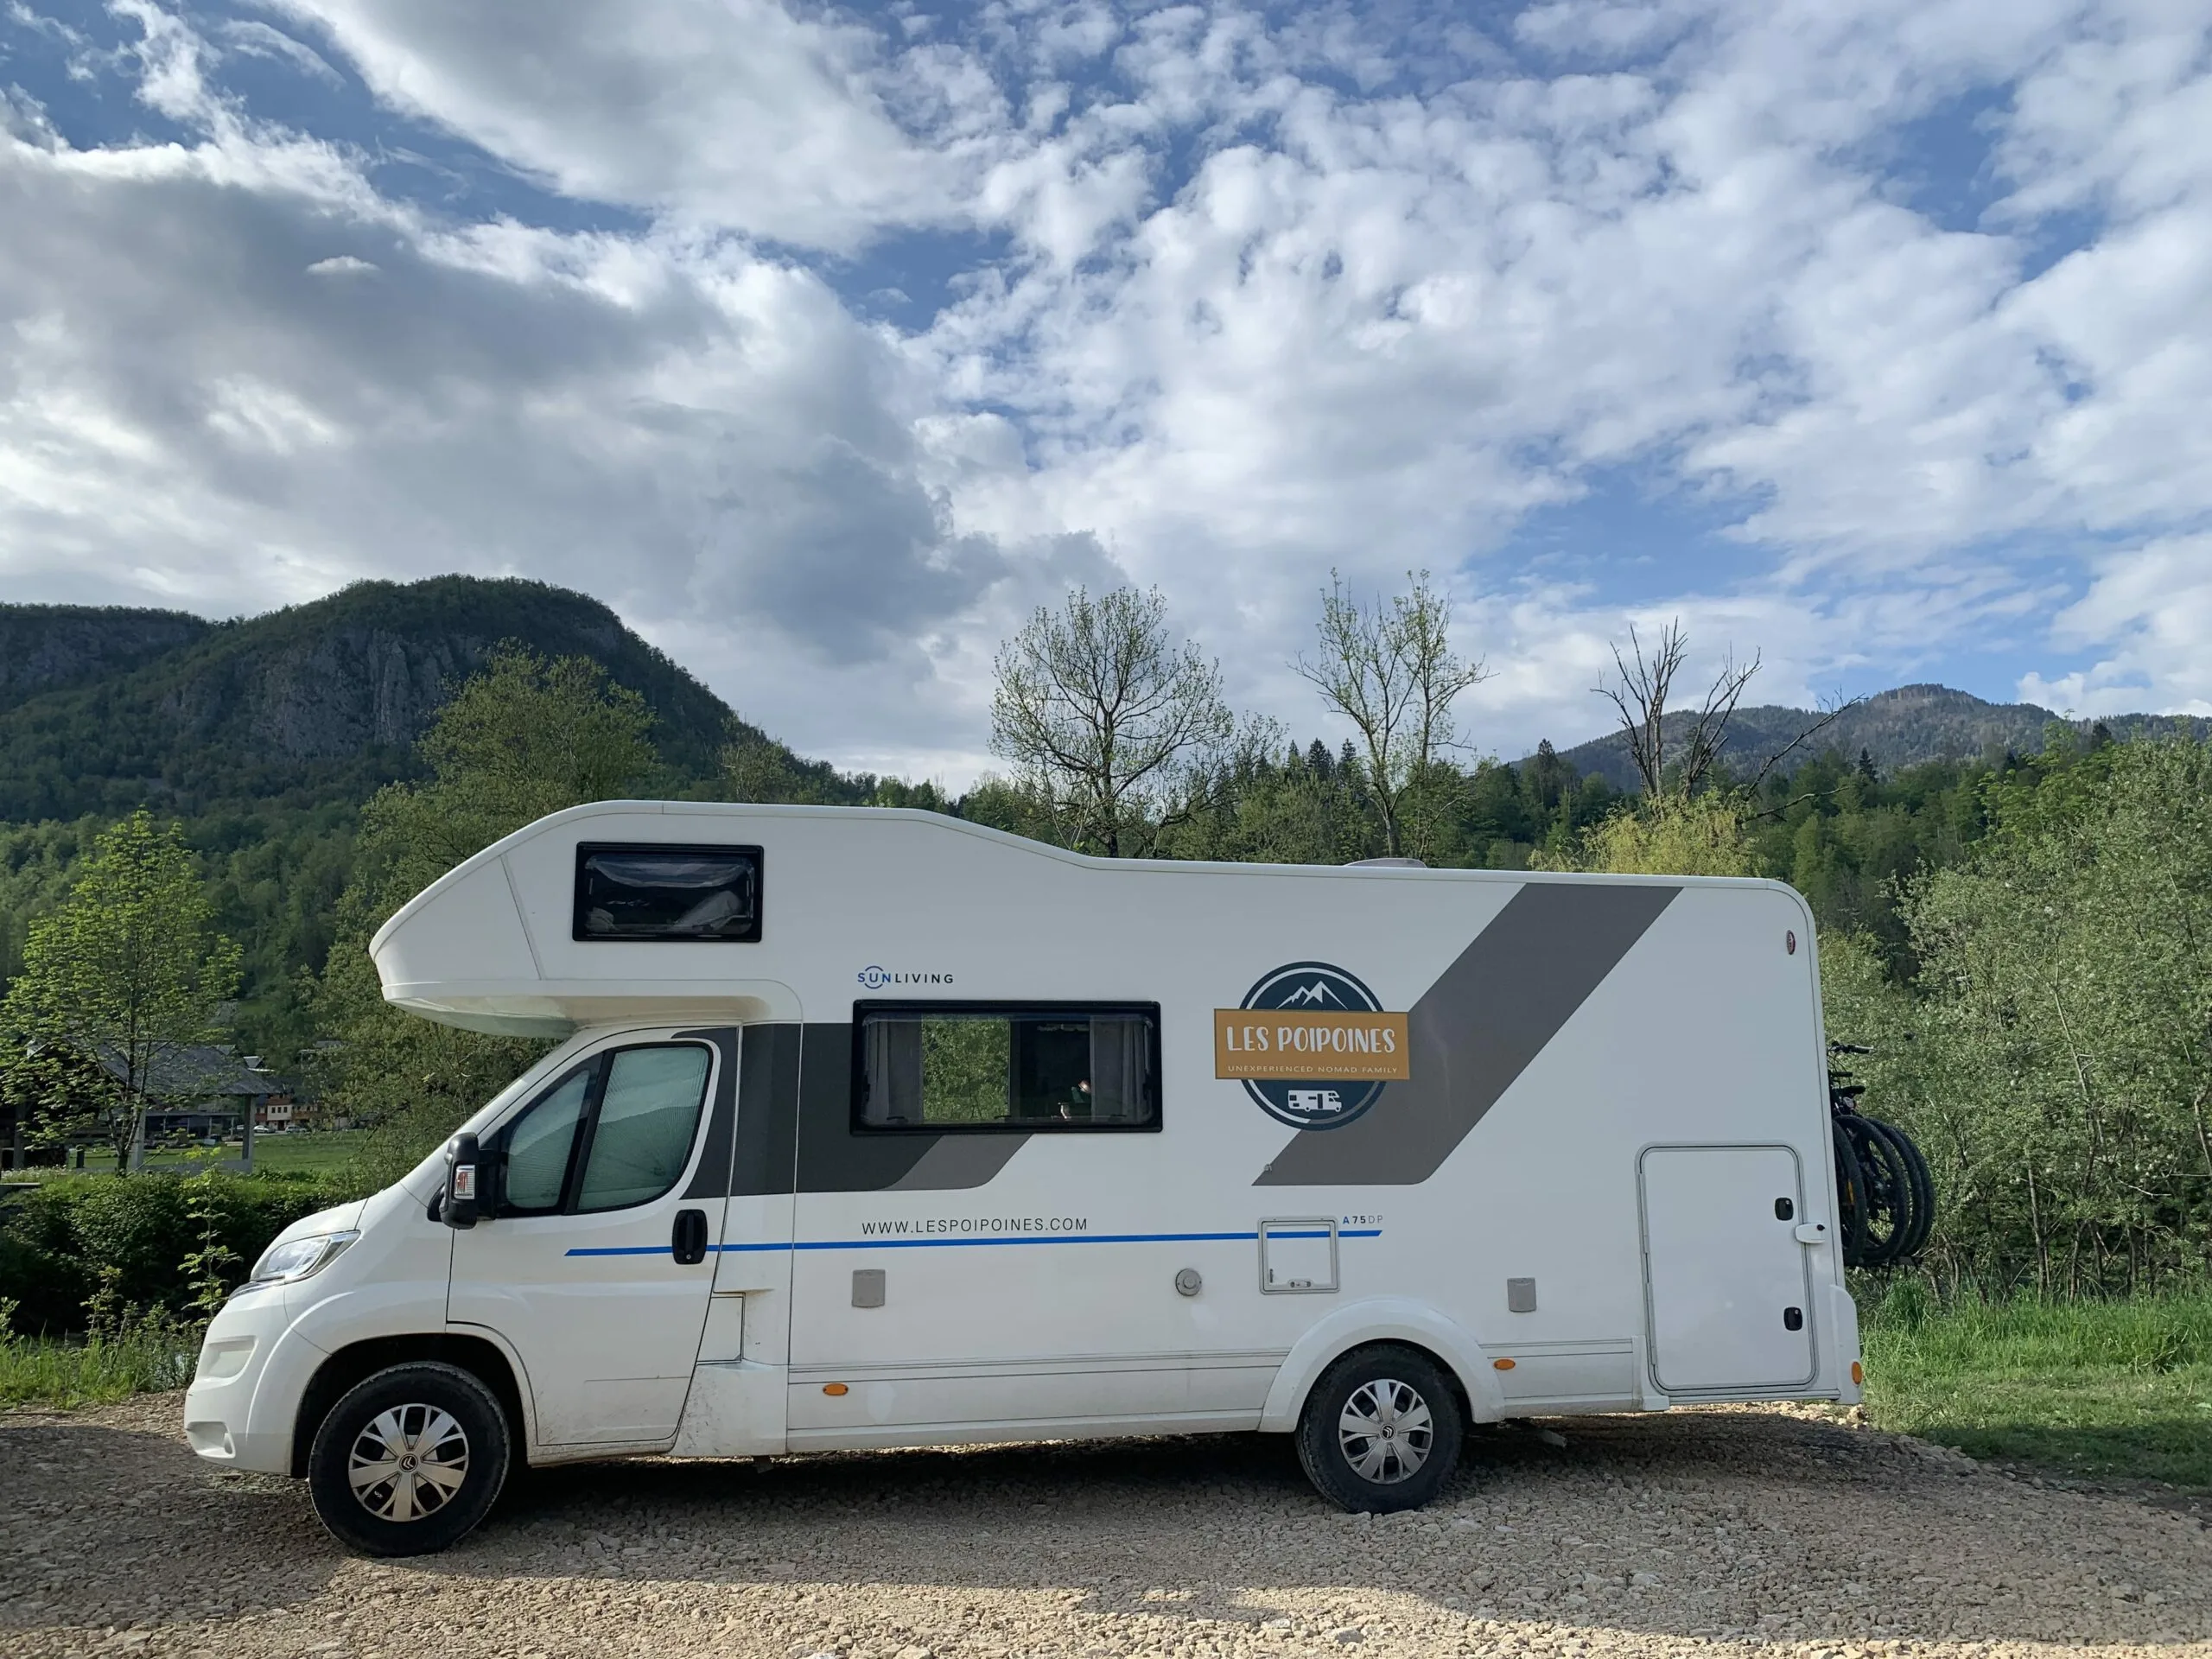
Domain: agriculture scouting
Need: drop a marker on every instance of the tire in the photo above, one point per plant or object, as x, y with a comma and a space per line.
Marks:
1919, 1184
1889, 1193
1850, 1199
1369, 1389
423, 1416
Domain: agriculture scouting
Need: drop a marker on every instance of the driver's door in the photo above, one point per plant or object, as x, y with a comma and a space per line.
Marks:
577, 1265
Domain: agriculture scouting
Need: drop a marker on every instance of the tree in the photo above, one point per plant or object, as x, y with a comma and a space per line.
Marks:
1391, 671
1703, 836
757, 768
126, 972
524, 737
1640, 696
1111, 724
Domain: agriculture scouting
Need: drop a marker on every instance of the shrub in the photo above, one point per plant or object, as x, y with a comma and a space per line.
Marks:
127, 1239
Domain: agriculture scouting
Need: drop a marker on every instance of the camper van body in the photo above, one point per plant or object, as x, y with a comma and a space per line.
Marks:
1564, 1136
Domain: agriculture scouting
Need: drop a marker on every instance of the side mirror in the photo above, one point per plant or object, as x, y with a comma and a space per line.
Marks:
464, 1182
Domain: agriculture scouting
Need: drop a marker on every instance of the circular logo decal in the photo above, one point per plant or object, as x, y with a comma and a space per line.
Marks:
1315, 986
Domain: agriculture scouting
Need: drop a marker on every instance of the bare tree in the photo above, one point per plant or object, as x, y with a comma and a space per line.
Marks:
1107, 718
1389, 669
1640, 699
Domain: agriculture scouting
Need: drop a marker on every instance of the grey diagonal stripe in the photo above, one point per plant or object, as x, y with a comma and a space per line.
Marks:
959, 1161
1476, 1030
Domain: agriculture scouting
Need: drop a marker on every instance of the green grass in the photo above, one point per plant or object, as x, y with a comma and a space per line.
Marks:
2099, 1390
148, 1354
314, 1152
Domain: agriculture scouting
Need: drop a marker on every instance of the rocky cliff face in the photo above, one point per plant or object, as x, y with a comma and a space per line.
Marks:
45, 647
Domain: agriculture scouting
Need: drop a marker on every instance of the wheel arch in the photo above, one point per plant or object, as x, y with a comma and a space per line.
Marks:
1381, 1319
356, 1362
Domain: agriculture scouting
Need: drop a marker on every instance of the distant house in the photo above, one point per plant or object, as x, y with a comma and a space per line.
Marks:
205, 1090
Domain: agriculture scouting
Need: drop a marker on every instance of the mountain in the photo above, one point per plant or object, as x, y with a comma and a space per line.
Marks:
101, 710
1901, 727
45, 647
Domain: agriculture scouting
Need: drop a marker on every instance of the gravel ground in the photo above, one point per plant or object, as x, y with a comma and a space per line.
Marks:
1709, 1533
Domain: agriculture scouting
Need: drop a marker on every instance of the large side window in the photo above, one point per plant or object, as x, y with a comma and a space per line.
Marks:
614, 1132
971, 1066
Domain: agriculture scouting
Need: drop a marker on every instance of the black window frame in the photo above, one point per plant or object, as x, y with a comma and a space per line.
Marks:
1042, 1009
600, 1065
585, 849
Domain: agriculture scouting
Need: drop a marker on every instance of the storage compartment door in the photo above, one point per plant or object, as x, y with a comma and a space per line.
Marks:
1298, 1255
1724, 1277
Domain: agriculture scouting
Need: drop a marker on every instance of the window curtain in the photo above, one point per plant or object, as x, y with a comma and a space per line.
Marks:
1120, 1070
892, 1054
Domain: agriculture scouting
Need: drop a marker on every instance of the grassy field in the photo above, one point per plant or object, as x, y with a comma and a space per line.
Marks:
314, 1152
2104, 1391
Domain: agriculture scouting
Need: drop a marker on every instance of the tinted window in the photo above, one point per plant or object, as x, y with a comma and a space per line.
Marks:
986, 1067
648, 1112
541, 1139
668, 893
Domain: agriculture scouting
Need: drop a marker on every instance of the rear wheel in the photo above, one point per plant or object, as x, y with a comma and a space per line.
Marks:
409, 1460
1382, 1430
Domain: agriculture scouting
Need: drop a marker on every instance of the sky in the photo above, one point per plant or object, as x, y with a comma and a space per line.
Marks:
826, 345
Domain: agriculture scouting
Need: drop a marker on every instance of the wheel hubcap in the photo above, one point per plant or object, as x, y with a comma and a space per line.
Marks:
408, 1463
1385, 1432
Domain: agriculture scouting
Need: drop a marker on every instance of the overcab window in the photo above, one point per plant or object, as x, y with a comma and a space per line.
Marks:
668, 893
966, 1066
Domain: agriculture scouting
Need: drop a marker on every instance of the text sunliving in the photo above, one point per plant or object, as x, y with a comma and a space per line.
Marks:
1311, 1039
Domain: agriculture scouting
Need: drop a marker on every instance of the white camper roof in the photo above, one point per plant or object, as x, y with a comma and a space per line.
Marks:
498, 943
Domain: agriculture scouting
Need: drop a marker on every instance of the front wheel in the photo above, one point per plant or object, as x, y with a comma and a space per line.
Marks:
1382, 1430
409, 1460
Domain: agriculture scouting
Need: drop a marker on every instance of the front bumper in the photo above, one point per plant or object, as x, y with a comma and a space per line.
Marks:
221, 1421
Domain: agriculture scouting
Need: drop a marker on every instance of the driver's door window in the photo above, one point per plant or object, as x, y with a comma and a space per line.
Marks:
541, 1142
614, 1133
641, 1138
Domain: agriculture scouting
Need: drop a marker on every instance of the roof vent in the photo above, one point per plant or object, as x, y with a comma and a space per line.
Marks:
1385, 864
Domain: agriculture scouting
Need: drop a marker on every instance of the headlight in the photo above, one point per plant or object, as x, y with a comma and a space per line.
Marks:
298, 1258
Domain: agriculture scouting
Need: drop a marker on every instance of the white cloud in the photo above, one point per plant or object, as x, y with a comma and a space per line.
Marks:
736, 114
2153, 606
250, 38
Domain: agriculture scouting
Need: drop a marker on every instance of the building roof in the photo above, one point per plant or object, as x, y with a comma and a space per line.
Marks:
200, 1073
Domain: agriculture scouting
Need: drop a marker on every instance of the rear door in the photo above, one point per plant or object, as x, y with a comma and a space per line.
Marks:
1725, 1282
576, 1266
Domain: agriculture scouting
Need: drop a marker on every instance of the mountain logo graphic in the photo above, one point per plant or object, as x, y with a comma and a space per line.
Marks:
1312, 1103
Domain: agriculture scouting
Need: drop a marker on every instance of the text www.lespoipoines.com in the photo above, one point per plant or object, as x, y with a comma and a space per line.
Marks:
974, 1226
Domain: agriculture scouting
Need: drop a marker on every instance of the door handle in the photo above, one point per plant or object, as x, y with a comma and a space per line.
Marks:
1811, 1232
688, 1240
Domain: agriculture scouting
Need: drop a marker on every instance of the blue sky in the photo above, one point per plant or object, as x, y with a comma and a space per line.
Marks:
825, 344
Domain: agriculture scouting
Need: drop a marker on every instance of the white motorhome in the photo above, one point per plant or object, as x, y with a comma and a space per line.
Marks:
876, 1128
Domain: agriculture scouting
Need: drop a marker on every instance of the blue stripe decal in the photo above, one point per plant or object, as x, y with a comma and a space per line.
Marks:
961, 1244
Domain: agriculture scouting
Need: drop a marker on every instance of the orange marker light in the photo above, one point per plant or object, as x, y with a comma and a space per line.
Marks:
1858, 1372
835, 1389
1503, 1365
